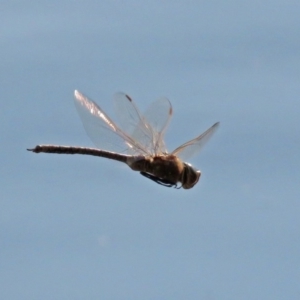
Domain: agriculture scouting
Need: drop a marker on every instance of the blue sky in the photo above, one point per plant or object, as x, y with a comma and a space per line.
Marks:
86, 228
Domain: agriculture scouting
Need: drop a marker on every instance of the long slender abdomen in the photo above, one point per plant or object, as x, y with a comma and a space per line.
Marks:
79, 150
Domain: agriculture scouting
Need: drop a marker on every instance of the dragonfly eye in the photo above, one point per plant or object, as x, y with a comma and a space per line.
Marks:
190, 176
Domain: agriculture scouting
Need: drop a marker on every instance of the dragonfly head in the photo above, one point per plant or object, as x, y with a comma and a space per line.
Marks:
190, 176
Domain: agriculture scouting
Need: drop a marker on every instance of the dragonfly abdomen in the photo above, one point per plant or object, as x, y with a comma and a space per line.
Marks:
79, 150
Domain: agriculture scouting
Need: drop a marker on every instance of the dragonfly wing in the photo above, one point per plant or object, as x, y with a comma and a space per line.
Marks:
128, 114
191, 148
147, 129
158, 116
104, 133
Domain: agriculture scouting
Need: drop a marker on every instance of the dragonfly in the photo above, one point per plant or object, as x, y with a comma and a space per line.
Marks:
138, 141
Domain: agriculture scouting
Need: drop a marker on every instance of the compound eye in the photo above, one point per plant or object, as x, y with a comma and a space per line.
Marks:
191, 177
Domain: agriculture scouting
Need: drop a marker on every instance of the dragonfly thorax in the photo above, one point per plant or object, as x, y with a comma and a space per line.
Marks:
168, 169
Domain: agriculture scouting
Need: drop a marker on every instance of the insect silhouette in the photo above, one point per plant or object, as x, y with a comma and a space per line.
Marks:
140, 143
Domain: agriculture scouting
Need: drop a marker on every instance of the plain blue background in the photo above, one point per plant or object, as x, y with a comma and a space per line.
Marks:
75, 227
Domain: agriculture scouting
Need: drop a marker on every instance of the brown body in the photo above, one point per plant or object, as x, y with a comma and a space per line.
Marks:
164, 169
143, 136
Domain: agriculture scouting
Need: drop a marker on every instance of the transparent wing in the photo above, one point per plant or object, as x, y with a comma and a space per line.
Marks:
128, 114
191, 148
104, 133
158, 116
147, 129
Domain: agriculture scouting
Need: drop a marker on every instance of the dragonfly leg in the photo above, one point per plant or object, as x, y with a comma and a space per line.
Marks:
159, 180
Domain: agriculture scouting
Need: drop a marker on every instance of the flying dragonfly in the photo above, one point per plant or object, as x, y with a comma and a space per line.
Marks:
140, 143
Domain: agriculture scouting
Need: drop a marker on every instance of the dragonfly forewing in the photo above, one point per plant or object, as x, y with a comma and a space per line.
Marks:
148, 128
157, 117
192, 147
